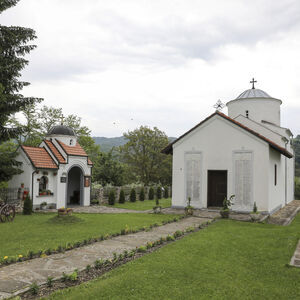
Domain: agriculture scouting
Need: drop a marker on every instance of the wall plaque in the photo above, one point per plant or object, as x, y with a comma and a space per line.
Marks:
63, 179
87, 181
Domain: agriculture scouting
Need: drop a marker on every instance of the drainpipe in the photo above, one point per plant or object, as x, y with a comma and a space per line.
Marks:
32, 186
285, 177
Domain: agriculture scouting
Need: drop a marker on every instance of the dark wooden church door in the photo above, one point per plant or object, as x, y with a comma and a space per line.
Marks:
217, 188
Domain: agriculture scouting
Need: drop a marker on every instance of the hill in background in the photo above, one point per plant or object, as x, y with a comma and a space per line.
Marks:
107, 143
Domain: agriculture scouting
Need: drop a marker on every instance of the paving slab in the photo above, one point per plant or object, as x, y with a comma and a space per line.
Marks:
285, 215
295, 260
16, 277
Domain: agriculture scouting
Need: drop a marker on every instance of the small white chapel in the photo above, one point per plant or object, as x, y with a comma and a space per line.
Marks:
245, 153
57, 173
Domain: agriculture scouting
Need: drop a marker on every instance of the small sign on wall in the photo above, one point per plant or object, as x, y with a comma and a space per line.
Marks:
87, 181
63, 179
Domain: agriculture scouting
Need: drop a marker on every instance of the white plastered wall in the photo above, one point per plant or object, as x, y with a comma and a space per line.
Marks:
217, 140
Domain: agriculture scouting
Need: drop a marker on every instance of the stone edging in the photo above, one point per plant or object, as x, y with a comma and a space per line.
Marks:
101, 267
8, 260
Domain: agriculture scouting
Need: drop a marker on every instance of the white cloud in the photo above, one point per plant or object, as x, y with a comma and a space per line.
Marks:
161, 63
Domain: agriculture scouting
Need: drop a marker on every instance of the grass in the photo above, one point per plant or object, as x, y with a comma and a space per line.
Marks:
43, 231
143, 205
227, 260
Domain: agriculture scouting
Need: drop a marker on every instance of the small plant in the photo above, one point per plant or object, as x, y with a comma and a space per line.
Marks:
98, 263
151, 193
111, 198
27, 208
170, 238
158, 192
88, 268
73, 276
94, 201
142, 249
227, 203
30, 254
49, 281
177, 233
189, 210
254, 208
142, 194
132, 195
34, 288
122, 197
255, 216
157, 207
166, 192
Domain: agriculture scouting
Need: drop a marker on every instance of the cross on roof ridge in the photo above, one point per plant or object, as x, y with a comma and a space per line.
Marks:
253, 81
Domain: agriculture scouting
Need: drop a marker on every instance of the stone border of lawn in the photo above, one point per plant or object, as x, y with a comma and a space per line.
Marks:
8, 260
101, 267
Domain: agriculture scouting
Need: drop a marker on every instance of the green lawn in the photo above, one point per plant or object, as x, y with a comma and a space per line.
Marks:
143, 205
35, 232
227, 260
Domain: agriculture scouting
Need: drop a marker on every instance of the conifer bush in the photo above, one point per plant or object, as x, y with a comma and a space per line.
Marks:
166, 192
132, 195
151, 193
158, 192
142, 194
122, 197
111, 198
27, 209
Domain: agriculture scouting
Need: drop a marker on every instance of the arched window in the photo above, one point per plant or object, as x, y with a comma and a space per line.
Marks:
71, 142
275, 174
43, 183
247, 113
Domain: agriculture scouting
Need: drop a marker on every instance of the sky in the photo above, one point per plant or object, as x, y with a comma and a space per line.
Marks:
122, 64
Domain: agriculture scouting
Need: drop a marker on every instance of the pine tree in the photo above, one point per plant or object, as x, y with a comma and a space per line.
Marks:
158, 192
142, 194
27, 209
111, 197
132, 195
122, 197
151, 193
13, 48
166, 192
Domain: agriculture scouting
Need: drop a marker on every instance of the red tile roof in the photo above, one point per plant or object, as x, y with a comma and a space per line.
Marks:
39, 157
76, 150
169, 148
55, 152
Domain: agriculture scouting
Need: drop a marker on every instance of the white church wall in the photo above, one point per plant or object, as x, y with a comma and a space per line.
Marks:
24, 177
217, 139
258, 109
276, 192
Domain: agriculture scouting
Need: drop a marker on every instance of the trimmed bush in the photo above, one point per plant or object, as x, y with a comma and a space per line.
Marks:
111, 198
158, 192
151, 193
27, 209
142, 195
122, 197
166, 192
132, 195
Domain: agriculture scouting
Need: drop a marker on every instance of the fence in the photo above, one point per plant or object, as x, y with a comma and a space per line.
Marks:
101, 194
10, 195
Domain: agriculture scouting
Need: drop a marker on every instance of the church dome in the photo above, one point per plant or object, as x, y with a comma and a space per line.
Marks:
253, 93
61, 130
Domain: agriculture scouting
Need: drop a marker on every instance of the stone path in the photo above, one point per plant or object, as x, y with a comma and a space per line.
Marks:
295, 261
285, 215
18, 277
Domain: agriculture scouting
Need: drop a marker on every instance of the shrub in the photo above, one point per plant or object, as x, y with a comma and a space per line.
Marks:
151, 194
34, 288
166, 192
122, 197
158, 192
27, 209
94, 201
50, 281
111, 198
132, 195
142, 195
142, 249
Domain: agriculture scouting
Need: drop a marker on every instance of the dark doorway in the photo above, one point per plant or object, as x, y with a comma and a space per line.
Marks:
217, 188
75, 183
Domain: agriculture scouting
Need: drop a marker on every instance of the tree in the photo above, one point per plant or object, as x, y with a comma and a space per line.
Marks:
132, 195
151, 193
158, 192
142, 194
13, 47
122, 197
111, 197
143, 154
166, 192
27, 209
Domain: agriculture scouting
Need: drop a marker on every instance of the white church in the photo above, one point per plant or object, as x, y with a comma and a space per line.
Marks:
247, 154
58, 172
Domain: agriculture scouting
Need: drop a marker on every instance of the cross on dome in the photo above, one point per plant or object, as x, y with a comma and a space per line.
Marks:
253, 81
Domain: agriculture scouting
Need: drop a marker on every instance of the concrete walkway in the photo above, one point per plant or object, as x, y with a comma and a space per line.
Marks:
17, 277
285, 215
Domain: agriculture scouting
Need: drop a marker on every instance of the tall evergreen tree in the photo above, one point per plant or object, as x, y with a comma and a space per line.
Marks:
13, 47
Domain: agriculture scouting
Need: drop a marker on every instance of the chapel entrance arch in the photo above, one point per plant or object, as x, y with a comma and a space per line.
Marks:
75, 187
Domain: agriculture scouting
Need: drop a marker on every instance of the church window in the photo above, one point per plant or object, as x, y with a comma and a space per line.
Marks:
275, 174
43, 183
71, 142
247, 113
